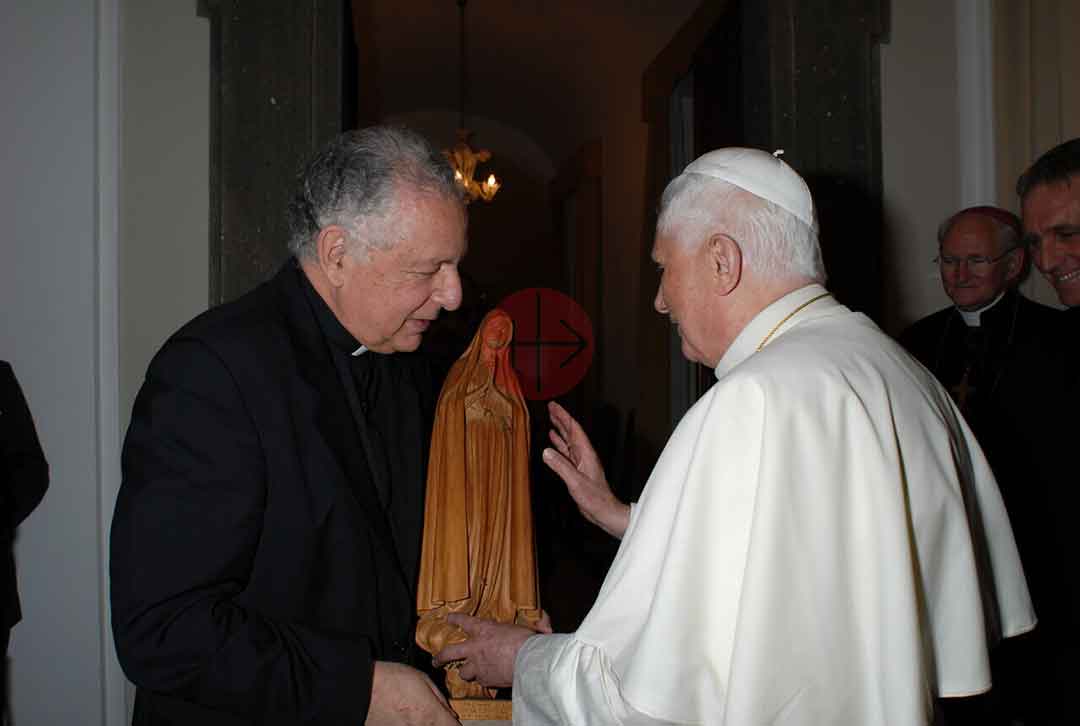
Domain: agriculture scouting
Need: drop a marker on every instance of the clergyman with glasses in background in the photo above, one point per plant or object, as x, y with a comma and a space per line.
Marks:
970, 344
986, 349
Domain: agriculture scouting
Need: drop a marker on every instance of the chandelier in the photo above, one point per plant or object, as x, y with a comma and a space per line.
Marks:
462, 157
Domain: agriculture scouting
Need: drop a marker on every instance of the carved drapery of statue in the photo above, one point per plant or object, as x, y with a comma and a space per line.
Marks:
479, 554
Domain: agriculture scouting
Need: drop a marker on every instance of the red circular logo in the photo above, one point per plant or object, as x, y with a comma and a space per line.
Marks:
553, 341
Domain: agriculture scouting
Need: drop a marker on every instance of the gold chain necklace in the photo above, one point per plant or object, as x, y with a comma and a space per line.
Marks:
787, 318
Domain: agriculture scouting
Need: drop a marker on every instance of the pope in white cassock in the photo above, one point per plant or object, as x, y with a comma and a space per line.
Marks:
821, 541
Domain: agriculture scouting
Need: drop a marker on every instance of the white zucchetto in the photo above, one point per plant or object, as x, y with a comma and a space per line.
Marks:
762, 174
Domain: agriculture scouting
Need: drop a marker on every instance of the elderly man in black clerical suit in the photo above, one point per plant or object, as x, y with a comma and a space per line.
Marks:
24, 477
971, 346
986, 349
266, 539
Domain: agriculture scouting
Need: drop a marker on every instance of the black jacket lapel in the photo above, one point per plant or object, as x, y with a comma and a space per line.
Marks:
321, 396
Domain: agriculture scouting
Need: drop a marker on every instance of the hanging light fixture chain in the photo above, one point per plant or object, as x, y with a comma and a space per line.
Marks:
461, 59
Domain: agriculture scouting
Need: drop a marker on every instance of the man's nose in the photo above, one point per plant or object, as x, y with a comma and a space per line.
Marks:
659, 302
448, 293
1048, 254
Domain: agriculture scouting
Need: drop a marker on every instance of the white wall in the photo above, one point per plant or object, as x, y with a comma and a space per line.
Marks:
920, 153
938, 144
164, 179
101, 260
55, 234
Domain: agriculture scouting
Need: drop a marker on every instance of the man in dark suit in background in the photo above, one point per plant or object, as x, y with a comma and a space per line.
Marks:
1049, 192
265, 543
971, 346
985, 349
24, 474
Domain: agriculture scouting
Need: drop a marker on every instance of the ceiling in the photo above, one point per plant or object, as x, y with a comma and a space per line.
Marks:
551, 69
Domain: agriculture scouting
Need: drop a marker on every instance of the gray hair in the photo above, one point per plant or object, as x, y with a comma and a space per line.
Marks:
355, 182
775, 244
1006, 225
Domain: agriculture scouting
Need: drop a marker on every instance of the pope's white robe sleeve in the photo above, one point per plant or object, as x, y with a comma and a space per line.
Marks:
560, 680
820, 542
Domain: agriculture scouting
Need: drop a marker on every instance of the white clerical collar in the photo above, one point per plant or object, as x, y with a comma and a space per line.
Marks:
359, 351
973, 318
757, 330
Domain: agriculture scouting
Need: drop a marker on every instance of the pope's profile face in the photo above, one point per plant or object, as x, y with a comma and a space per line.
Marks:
1052, 228
975, 269
684, 295
388, 300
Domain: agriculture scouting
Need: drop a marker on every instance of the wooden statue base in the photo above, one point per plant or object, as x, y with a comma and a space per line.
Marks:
478, 711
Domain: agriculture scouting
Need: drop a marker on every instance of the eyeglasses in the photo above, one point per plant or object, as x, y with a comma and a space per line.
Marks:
975, 263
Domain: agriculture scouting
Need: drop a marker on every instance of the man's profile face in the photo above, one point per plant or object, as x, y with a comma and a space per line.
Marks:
388, 301
974, 270
1052, 229
683, 295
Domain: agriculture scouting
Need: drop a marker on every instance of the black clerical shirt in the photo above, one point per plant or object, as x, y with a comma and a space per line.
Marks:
1014, 339
391, 397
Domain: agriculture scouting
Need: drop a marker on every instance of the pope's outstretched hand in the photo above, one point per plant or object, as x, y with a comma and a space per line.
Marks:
575, 461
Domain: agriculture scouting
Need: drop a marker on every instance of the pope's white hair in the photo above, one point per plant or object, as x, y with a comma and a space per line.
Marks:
775, 244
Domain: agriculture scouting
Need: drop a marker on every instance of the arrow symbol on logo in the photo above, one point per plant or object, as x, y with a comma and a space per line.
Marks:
578, 344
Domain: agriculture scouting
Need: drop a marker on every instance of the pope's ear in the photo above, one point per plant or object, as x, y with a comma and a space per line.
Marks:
725, 261
331, 246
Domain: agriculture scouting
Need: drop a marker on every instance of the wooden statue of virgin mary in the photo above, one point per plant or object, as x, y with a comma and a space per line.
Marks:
478, 554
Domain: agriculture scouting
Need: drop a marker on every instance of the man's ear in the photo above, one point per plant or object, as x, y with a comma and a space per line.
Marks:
725, 262
1016, 260
331, 247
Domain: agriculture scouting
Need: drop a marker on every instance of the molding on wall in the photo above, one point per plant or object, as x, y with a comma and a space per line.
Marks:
975, 102
107, 351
